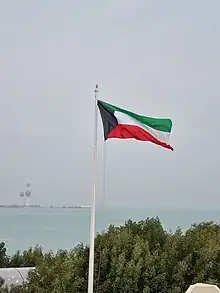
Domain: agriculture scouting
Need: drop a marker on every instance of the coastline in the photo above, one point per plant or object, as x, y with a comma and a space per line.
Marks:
46, 207
66, 227
132, 251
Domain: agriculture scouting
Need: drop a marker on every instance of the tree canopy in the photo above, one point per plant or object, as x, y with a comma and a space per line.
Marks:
133, 258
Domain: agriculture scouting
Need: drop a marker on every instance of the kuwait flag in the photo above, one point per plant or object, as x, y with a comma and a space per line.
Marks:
122, 124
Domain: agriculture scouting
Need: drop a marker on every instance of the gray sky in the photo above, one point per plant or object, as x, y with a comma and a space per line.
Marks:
159, 58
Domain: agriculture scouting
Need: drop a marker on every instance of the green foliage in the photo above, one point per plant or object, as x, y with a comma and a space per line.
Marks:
3, 256
135, 258
29, 258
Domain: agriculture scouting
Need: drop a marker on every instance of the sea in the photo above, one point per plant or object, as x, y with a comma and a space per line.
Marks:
63, 228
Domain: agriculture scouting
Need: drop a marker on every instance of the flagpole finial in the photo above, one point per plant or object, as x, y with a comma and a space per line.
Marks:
96, 88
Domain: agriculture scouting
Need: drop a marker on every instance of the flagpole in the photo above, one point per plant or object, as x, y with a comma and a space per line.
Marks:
104, 172
92, 220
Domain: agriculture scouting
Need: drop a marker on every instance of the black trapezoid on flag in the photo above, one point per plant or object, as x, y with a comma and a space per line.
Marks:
108, 119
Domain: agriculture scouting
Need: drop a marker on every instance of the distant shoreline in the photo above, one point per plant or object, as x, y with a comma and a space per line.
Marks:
46, 207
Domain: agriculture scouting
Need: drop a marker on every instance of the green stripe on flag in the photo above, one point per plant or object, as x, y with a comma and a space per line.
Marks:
161, 124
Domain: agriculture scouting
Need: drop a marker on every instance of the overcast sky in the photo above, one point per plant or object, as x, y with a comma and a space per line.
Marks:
158, 58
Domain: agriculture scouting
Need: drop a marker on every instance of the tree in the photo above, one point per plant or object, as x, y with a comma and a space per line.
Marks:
133, 258
29, 258
3, 256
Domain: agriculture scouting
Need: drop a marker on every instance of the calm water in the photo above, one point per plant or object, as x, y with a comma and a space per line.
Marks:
63, 228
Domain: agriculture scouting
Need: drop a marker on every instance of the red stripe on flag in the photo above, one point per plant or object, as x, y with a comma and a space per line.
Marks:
123, 131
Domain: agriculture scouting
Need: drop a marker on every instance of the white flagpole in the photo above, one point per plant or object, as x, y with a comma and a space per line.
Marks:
92, 220
104, 172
